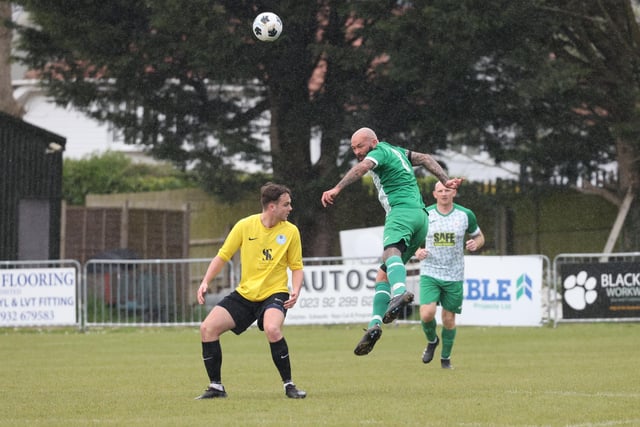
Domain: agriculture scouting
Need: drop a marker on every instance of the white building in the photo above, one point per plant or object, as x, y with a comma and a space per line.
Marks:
84, 135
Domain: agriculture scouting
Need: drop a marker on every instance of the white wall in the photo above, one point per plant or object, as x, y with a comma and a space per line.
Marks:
84, 135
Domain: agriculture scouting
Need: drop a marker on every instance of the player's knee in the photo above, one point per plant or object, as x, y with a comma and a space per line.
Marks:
207, 331
449, 325
448, 319
427, 312
273, 332
392, 249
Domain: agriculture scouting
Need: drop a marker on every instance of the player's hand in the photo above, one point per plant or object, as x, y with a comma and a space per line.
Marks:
471, 245
202, 291
329, 196
421, 253
293, 298
454, 183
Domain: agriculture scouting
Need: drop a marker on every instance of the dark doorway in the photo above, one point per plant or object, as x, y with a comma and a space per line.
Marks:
34, 218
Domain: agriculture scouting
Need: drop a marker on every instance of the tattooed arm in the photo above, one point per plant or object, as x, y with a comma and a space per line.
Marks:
354, 174
421, 159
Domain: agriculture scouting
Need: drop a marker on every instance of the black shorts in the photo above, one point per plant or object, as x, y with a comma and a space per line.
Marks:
245, 312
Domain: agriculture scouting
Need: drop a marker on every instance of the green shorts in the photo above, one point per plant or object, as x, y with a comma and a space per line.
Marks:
448, 294
408, 225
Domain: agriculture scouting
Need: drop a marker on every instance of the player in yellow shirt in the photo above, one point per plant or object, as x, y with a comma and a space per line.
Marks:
269, 245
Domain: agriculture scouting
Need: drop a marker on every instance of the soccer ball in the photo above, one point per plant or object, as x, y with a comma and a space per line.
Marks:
267, 27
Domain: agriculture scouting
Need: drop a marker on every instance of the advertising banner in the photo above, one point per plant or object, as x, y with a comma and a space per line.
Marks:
38, 297
600, 290
498, 290
502, 291
335, 294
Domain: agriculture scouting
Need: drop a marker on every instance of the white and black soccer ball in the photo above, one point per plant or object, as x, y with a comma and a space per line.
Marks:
267, 27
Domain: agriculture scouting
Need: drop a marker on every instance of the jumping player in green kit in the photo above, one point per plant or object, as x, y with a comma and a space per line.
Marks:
405, 226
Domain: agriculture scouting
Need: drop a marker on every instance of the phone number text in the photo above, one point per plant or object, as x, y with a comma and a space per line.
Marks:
27, 316
333, 302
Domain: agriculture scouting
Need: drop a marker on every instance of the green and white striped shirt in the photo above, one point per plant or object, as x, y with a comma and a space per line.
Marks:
446, 241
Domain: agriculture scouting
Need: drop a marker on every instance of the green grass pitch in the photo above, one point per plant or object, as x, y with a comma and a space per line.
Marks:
574, 375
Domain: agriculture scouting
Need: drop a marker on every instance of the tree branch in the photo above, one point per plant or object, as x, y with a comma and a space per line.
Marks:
588, 188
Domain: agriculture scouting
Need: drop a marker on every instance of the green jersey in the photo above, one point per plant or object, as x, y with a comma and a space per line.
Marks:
394, 178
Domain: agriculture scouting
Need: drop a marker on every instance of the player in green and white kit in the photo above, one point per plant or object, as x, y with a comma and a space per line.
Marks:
405, 224
442, 268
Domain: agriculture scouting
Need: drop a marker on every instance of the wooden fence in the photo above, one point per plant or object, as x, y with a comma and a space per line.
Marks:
101, 231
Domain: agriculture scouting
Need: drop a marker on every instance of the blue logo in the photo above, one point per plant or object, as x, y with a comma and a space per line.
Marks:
498, 290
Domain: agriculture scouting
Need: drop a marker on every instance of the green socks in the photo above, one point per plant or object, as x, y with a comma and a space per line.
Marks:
380, 302
397, 274
448, 337
429, 330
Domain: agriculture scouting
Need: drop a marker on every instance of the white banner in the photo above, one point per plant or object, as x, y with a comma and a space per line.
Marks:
498, 291
335, 294
38, 297
502, 291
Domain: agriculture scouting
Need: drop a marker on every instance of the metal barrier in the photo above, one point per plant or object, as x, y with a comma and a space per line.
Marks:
603, 287
549, 303
40, 293
159, 292
336, 290
155, 292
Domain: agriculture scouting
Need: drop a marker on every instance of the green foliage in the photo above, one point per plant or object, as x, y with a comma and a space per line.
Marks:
489, 76
114, 172
155, 70
503, 376
535, 81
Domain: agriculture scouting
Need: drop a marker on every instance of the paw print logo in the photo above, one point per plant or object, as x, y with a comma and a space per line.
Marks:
579, 290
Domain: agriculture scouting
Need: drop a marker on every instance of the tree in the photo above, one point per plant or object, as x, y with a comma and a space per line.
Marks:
602, 39
494, 85
590, 81
8, 103
527, 80
552, 85
173, 75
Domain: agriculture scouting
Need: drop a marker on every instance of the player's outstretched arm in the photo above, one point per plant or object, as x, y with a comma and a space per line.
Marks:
354, 174
422, 159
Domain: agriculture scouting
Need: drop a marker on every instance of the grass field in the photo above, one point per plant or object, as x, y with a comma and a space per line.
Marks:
574, 375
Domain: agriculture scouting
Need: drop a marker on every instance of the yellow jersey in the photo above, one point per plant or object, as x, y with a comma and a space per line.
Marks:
265, 254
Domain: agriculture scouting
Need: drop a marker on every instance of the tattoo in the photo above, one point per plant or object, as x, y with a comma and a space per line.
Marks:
355, 173
421, 159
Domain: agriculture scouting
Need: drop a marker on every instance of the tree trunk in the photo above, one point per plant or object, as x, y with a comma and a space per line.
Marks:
8, 103
290, 133
628, 156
